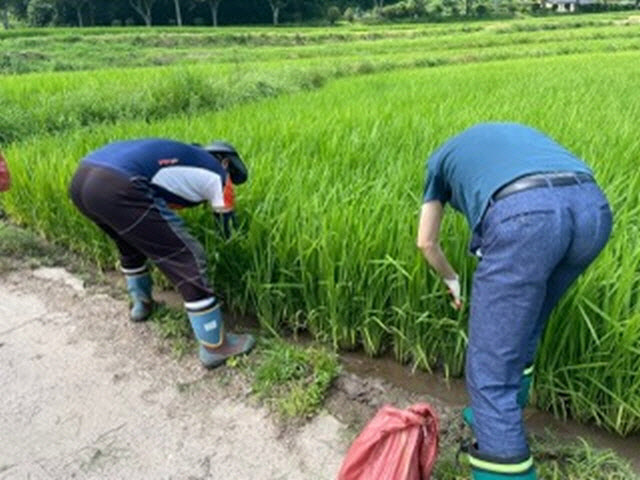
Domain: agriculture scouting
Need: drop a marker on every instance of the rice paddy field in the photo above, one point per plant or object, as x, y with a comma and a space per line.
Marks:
335, 125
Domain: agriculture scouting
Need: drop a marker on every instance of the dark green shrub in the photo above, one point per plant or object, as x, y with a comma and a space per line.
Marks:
41, 13
349, 14
333, 14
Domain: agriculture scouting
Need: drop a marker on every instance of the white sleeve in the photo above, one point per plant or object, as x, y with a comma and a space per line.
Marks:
194, 184
214, 193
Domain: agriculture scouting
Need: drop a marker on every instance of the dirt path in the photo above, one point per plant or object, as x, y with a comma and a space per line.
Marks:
88, 395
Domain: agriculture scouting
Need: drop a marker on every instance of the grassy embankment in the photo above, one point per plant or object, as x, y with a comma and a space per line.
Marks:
232, 72
75, 49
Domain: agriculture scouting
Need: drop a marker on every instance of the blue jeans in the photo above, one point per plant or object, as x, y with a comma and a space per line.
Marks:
534, 244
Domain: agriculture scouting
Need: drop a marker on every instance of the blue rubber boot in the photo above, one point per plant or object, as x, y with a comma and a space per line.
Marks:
139, 287
484, 467
523, 395
216, 346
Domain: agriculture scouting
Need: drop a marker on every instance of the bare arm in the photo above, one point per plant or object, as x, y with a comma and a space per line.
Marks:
429, 239
429, 244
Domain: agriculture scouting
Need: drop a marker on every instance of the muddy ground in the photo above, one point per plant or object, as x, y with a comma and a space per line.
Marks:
86, 394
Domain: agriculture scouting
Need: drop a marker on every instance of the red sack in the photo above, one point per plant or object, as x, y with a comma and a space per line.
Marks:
5, 179
395, 445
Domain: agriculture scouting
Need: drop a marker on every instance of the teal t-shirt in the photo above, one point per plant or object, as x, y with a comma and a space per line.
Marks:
470, 167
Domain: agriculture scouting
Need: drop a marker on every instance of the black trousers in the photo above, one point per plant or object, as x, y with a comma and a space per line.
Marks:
142, 226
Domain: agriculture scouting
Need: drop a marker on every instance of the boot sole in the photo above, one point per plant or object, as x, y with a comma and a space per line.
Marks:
221, 361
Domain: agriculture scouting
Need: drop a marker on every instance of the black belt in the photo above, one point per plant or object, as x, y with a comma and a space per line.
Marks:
537, 180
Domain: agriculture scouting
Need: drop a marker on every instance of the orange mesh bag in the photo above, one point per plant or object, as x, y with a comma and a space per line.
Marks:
395, 445
5, 179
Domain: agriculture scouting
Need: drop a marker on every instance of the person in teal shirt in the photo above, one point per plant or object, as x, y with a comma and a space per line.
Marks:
538, 219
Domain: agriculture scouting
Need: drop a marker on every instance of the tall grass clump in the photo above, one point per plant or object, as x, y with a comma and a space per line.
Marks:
328, 220
49, 103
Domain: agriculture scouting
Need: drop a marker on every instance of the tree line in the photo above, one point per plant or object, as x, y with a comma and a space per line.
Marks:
172, 12
240, 12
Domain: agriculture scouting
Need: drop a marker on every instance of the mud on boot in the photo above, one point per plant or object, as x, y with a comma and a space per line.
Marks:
216, 346
139, 287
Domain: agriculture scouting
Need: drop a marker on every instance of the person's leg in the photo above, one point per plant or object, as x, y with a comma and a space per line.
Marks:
133, 264
487, 467
181, 257
591, 227
144, 221
499, 327
142, 227
523, 238
559, 281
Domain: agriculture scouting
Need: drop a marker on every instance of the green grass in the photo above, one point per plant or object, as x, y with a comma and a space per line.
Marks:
173, 326
232, 71
19, 244
16, 242
291, 379
21, 248
50, 103
259, 35
555, 460
294, 380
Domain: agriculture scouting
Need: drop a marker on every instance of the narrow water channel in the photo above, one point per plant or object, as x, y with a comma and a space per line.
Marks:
452, 392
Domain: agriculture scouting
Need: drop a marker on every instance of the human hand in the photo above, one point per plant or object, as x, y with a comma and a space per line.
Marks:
226, 222
453, 284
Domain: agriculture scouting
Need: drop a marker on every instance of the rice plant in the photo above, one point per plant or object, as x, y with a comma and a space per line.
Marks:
328, 219
226, 76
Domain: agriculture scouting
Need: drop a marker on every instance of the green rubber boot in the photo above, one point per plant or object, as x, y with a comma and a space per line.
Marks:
484, 467
477, 474
139, 287
467, 416
525, 386
216, 346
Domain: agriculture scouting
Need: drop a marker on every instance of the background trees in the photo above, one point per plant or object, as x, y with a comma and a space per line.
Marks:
243, 12
144, 9
213, 6
4, 13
